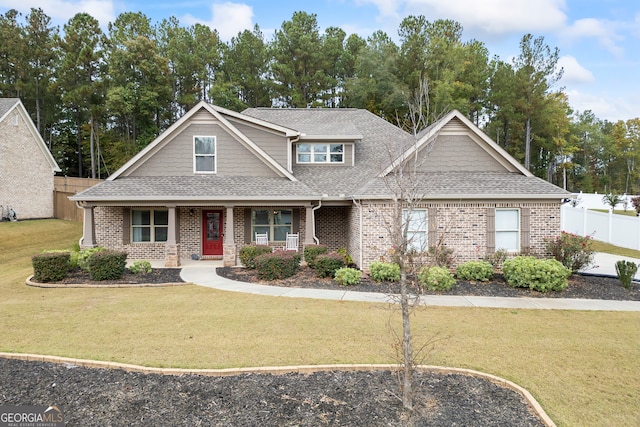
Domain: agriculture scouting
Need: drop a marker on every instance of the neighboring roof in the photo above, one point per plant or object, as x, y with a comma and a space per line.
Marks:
7, 105
200, 188
465, 185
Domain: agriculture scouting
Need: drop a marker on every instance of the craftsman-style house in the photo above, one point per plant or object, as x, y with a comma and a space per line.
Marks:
216, 179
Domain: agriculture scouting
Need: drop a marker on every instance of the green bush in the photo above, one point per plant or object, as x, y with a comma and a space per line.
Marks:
326, 265
249, 253
573, 251
436, 278
347, 276
475, 270
311, 252
140, 267
277, 265
81, 258
384, 271
626, 271
347, 258
537, 274
51, 266
107, 265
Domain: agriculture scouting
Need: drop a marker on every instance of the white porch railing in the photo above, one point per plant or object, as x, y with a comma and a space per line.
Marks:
619, 230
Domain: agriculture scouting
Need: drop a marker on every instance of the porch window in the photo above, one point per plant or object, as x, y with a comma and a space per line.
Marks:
148, 226
416, 228
320, 153
275, 222
204, 154
508, 229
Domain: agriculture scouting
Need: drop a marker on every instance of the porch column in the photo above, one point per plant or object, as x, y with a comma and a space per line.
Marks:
229, 247
88, 234
308, 226
171, 252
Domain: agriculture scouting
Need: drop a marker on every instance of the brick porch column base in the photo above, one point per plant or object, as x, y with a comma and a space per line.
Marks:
229, 255
171, 257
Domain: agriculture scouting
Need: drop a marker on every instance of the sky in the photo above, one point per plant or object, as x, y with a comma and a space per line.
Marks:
598, 40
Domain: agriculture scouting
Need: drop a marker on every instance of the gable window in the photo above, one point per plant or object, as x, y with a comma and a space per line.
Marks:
508, 229
320, 153
416, 228
148, 226
275, 222
204, 154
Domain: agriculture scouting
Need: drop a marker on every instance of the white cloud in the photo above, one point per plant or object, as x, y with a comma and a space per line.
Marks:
60, 11
573, 71
601, 30
609, 108
492, 17
228, 18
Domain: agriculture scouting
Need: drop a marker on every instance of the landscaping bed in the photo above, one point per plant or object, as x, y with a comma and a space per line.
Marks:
97, 397
580, 286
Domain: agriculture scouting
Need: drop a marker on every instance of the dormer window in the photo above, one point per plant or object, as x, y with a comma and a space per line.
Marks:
320, 153
204, 154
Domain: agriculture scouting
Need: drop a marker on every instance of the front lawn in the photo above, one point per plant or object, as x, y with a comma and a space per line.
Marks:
581, 366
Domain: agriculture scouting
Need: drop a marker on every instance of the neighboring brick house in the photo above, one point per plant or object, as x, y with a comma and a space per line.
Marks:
26, 165
216, 177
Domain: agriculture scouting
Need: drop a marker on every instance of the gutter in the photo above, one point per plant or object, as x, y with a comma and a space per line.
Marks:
313, 221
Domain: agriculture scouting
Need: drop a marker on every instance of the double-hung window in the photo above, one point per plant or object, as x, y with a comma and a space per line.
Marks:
320, 153
148, 226
508, 229
416, 222
275, 222
204, 154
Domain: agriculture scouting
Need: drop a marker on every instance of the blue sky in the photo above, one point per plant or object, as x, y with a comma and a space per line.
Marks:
598, 39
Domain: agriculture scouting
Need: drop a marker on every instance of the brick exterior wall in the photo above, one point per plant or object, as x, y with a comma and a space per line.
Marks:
26, 177
463, 227
332, 227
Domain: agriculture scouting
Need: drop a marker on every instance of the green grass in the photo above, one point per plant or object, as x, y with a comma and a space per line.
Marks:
581, 366
615, 250
628, 212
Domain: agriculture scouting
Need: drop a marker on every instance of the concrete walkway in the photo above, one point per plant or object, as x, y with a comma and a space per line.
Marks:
203, 273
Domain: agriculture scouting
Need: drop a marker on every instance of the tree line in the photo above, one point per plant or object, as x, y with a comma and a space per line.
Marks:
97, 98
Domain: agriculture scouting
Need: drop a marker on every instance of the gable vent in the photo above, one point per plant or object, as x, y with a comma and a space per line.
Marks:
15, 119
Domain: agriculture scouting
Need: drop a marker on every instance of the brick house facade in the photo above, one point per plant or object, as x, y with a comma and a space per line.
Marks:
216, 177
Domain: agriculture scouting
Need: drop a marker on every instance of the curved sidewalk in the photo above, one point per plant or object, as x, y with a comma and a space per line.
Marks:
203, 273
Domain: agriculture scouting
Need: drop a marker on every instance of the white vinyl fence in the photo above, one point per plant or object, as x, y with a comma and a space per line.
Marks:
619, 230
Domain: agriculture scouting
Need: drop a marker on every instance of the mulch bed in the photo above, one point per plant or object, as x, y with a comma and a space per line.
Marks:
580, 286
91, 396
99, 397
157, 275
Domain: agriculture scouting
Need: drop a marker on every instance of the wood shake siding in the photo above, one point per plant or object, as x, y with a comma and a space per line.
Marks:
176, 157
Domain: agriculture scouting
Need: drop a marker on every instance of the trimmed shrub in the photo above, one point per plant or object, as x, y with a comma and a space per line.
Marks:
626, 270
140, 267
81, 258
481, 271
107, 265
311, 252
347, 276
537, 274
277, 265
51, 266
384, 271
573, 251
326, 265
249, 253
436, 278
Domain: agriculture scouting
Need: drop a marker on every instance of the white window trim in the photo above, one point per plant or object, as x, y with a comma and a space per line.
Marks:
328, 153
152, 226
271, 223
423, 228
517, 230
214, 155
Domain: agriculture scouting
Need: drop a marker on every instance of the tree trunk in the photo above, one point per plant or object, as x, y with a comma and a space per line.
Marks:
527, 145
92, 149
407, 374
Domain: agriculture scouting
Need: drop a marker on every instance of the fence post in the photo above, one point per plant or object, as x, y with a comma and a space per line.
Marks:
584, 222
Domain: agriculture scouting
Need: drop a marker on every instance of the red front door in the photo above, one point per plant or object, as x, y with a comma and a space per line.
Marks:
211, 232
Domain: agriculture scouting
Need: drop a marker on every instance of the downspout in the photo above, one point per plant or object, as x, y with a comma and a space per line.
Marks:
79, 205
360, 251
313, 220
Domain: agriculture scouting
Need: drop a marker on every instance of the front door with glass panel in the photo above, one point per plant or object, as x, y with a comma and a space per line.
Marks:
212, 233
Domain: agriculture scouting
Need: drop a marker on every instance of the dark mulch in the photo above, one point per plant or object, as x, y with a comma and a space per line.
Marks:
157, 275
580, 286
103, 397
